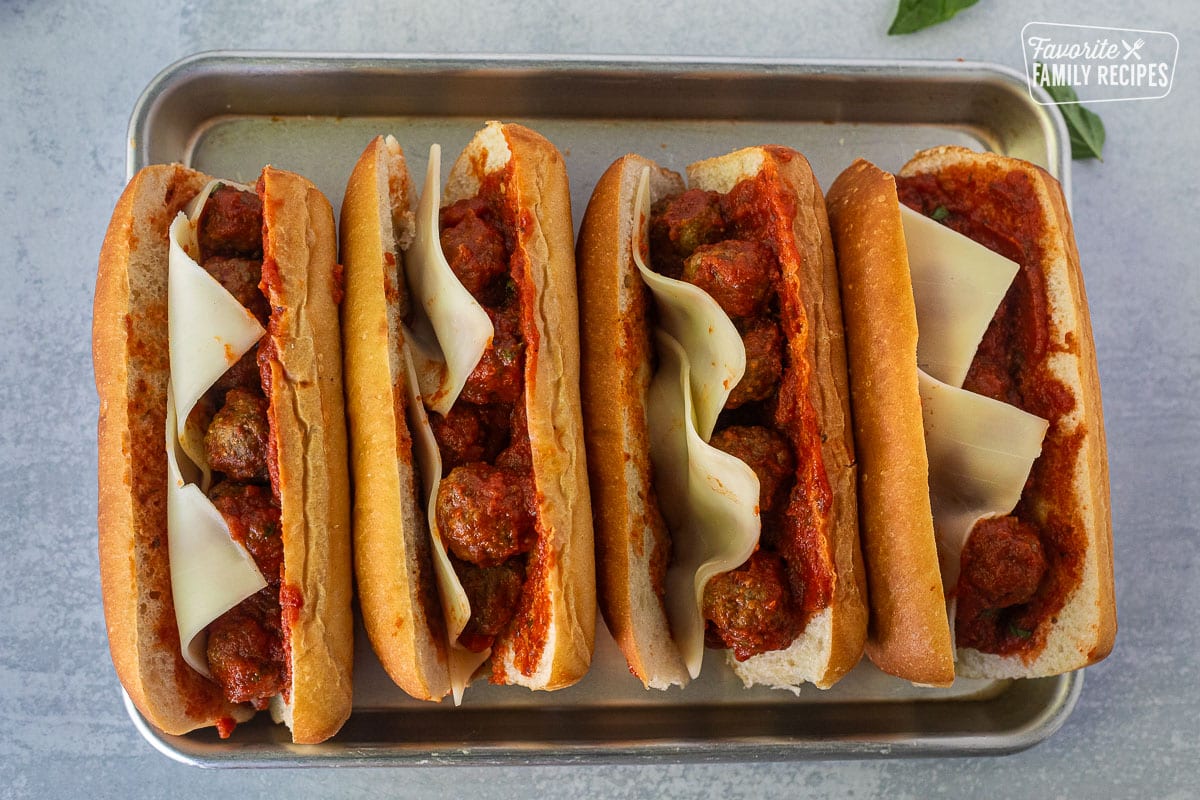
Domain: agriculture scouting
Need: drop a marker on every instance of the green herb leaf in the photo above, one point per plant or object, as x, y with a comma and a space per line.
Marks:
915, 15
940, 213
1020, 633
1085, 127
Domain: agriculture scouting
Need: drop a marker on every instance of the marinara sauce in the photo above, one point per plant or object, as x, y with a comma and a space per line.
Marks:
732, 246
999, 209
247, 646
486, 504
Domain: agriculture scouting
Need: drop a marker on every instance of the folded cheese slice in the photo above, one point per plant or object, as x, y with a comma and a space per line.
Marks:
450, 330
208, 331
210, 572
456, 608
980, 450
694, 319
957, 285
980, 453
708, 498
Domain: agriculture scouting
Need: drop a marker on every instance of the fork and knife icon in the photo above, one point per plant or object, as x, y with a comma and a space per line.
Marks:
1132, 49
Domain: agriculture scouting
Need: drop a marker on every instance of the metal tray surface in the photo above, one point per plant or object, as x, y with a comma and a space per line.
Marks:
229, 113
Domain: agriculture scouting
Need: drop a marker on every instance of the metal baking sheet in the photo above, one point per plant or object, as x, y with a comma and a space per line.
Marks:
229, 113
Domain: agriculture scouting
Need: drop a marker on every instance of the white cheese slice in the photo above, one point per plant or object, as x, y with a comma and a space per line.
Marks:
456, 608
694, 319
957, 285
210, 572
197, 203
208, 331
980, 453
708, 498
450, 329
980, 450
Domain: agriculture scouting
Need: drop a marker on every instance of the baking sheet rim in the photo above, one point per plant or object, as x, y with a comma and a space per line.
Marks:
1058, 144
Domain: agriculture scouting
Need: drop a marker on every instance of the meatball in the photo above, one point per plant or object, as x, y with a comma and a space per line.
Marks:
468, 433
737, 273
252, 514
680, 224
493, 593
240, 277
236, 441
484, 513
518, 455
245, 650
748, 209
1003, 561
767, 453
764, 363
750, 609
242, 375
456, 212
231, 224
499, 376
474, 248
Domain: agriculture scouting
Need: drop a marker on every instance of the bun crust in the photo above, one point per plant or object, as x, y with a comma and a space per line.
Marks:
560, 587
1085, 627
909, 633
550, 640
129, 353
615, 380
131, 367
309, 425
392, 553
631, 537
832, 643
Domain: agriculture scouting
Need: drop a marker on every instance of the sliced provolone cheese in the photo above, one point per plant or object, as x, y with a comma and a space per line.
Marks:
210, 572
708, 498
456, 608
980, 450
693, 318
197, 203
980, 453
208, 331
957, 285
450, 329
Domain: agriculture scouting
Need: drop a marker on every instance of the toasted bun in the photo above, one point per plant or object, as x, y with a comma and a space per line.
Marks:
615, 381
131, 365
909, 634
632, 541
392, 552
129, 352
832, 643
550, 640
1084, 629
309, 425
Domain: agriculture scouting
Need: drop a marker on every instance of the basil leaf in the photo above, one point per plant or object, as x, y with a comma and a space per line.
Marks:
1085, 127
915, 15
940, 213
1019, 632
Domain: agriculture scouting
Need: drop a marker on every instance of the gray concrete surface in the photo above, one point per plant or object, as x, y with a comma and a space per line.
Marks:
70, 72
